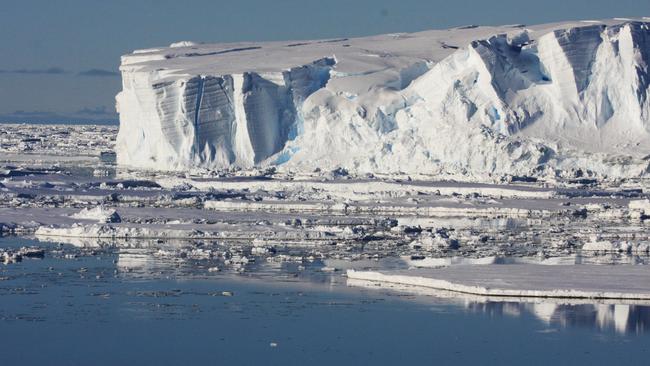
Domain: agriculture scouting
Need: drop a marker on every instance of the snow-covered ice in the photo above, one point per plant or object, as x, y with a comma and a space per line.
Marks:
545, 100
99, 214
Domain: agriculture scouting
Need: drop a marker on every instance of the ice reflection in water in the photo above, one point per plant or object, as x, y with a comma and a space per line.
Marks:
622, 318
154, 260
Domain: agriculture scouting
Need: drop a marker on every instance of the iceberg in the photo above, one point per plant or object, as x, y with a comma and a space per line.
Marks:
482, 101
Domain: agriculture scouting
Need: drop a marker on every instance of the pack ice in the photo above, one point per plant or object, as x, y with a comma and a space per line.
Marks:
538, 100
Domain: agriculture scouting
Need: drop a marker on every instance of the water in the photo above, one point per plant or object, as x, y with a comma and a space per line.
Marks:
96, 310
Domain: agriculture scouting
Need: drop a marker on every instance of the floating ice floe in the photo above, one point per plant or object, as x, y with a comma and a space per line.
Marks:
525, 280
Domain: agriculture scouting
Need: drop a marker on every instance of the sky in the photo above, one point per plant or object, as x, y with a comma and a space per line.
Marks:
59, 58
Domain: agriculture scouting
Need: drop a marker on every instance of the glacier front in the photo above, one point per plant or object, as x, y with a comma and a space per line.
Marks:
547, 100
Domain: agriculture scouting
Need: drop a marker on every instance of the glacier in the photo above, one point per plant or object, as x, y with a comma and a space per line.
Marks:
561, 99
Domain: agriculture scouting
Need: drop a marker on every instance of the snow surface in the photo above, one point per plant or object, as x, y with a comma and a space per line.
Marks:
474, 100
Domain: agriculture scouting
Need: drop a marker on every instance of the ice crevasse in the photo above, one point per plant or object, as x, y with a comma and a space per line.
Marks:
472, 100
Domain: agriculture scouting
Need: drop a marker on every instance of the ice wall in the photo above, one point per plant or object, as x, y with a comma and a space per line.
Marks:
212, 121
534, 100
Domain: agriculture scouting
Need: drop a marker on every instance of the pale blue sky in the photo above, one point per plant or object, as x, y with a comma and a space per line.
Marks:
60, 57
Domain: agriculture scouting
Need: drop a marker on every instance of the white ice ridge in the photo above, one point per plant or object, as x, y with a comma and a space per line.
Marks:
472, 100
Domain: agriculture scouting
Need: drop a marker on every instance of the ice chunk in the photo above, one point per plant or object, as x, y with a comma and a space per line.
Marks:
182, 44
100, 214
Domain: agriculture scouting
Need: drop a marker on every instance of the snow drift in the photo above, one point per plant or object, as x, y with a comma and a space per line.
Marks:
552, 99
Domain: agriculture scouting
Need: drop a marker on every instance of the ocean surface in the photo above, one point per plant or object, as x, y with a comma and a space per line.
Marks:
118, 308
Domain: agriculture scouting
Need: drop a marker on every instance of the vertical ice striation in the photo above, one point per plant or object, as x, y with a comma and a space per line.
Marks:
578, 46
634, 46
270, 113
212, 121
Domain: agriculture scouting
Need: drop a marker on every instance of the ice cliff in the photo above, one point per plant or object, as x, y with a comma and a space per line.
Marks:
550, 99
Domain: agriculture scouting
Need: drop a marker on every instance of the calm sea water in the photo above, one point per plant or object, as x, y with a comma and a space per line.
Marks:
123, 309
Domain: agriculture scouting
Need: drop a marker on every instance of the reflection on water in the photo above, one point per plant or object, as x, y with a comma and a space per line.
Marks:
164, 304
621, 318
627, 317
152, 260
149, 259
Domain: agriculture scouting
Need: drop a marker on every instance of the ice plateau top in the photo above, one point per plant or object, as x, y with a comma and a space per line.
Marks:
523, 100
